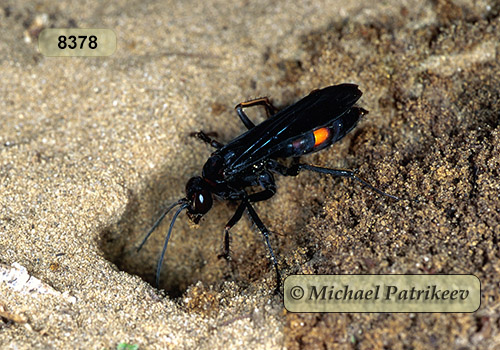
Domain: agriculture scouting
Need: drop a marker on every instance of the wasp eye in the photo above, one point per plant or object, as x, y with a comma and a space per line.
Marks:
202, 202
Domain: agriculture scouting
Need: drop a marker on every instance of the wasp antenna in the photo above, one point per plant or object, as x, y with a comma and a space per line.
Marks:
160, 262
157, 223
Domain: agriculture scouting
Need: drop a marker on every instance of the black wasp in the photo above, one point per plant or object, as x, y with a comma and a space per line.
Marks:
311, 124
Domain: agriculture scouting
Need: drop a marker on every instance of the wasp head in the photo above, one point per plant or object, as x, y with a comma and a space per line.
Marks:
200, 198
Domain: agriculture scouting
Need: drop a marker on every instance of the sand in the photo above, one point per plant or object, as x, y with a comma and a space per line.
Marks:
93, 149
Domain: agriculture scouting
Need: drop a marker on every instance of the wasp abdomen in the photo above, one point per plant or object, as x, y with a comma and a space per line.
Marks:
309, 142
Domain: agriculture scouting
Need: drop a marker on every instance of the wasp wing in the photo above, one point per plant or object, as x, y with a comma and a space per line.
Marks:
320, 108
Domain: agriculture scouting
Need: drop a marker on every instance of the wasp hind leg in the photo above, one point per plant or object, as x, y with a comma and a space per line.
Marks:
296, 168
263, 101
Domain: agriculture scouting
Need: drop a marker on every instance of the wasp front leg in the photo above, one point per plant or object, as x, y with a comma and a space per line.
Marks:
207, 139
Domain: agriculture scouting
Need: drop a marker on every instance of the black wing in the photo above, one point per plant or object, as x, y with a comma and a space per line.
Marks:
320, 108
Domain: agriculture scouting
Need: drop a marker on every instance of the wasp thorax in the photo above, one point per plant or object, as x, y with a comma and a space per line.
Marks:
213, 168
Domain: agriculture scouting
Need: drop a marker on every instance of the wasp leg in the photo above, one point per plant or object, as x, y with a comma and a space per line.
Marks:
266, 180
296, 168
207, 139
265, 232
263, 101
262, 228
236, 217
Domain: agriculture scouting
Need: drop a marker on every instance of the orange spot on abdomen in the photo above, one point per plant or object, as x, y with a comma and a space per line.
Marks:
320, 136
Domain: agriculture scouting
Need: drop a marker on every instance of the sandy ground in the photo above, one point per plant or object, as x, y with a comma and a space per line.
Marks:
92, 150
